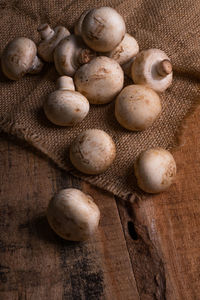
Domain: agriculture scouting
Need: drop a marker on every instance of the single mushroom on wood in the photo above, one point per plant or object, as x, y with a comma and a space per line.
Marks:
126, 50
155, 170
137, 107
65, 107
102, 29
73, 215
19, 58
100, 81
70, 54
92, 151
152, 68
50, 39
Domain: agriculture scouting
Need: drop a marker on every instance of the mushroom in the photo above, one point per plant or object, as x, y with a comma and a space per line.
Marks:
152, 68
19, 58
50, 39
65, 107
70, 54
155, 170
126, 50
78, 24
102, 29
93, 151
137, 107
73, 215
100, 80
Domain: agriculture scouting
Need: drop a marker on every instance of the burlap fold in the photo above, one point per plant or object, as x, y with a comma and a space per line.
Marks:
173, 26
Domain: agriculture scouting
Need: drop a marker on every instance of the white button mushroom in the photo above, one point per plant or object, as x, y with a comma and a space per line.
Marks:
137, 107
93, 151
73, 215
50, 39
100, 80
127, 49
65, 107
152, 68
155, 170
70, 54
102, 29
19, 58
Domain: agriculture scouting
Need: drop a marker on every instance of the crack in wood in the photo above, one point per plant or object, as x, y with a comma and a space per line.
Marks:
148, 267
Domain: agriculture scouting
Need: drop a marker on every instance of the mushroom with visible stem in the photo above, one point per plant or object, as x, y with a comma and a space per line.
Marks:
100, 80
19, 58
70, 54
155, 170
92, 151
137, 107
65, 107
126, 50
102, 29
73, 215
50, 39
152, 68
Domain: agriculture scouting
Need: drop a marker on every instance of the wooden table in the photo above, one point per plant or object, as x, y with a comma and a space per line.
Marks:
145, 250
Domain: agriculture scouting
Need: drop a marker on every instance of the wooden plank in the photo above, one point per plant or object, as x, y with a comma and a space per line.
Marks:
165, 243
144, 249
35, 263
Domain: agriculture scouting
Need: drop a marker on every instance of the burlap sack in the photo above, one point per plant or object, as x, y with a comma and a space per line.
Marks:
173, 26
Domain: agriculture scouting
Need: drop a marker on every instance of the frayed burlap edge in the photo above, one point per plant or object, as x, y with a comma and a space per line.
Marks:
8, 126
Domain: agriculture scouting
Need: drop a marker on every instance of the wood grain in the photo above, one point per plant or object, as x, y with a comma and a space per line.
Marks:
144, 249
35, 263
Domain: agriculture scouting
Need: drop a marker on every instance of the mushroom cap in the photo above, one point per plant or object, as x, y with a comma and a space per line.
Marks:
100, 80
78, 24
155, 170
144, 70
137, 107
93, 151
70, 54
66, 108
47, 46
73, 215
18, 57
103, 29
127, 49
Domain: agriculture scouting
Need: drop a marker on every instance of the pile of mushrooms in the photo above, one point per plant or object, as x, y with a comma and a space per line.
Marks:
92, 63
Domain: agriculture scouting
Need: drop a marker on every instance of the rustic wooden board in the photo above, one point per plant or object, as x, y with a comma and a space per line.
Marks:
147, 249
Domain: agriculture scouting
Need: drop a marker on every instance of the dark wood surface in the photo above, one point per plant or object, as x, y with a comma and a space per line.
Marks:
144, 249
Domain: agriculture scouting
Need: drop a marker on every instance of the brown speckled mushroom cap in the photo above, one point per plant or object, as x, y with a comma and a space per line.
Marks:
100, 81
73, 215
70, 54
155, 170
18, 57
65, 106
137, 107
103, 29
93, 151
127, 49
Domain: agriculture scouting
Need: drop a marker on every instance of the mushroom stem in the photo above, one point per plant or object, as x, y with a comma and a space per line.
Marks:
45, 31
85, 56
36, 66
164, 67
65, 83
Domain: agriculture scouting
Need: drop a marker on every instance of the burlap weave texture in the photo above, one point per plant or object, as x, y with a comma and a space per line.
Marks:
173, 26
